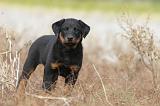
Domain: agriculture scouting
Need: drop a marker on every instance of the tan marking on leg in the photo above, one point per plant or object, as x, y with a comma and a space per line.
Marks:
55, 65
74, 68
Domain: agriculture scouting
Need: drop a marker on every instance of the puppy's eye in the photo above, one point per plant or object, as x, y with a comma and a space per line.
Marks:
78, 33
74, 29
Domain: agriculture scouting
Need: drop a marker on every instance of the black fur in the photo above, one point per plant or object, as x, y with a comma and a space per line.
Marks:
65, 48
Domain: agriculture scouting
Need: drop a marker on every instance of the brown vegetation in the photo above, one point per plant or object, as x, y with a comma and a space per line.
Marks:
132, 81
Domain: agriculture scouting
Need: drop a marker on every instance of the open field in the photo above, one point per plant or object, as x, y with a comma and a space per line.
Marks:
118, 69
127, 82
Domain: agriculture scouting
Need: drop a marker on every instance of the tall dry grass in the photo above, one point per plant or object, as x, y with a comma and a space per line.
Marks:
142, 40
129, 82
9, 65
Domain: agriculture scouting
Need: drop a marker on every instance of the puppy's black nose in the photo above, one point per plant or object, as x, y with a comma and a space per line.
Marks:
70, 38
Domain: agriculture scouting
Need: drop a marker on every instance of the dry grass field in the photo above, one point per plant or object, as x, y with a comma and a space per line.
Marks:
133, 80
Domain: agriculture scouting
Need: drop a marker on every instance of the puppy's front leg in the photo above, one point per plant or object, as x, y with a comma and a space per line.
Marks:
70, 81
50, 77
72, 77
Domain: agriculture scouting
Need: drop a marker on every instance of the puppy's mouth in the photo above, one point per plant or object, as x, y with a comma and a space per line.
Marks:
70, 44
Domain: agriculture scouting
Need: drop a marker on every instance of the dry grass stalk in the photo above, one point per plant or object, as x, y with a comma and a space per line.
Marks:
142, 39
102, 85
65, 99
9, 65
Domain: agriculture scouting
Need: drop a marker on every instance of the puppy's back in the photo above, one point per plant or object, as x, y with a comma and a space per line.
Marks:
40, 45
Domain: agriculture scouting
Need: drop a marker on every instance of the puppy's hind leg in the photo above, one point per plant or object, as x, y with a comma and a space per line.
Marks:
29, 66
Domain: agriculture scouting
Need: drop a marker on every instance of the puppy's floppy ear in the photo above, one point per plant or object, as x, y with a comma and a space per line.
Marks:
85, 28
57, 26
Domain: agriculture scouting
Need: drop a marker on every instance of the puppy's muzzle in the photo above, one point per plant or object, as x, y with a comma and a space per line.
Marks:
70, 38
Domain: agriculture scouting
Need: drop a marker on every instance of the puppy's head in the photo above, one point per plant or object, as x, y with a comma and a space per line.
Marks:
70, 31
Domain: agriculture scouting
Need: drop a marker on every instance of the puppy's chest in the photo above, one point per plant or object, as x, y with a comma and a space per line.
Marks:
69, 61
69, 58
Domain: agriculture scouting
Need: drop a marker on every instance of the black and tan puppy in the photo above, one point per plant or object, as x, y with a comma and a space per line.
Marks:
61, 54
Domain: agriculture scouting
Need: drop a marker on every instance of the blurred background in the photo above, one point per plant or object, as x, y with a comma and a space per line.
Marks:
125, 69
33, 18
